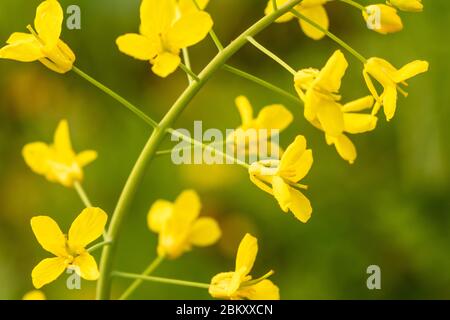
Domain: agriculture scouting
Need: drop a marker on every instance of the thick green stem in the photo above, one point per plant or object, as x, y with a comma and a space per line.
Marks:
136, 283
138, 172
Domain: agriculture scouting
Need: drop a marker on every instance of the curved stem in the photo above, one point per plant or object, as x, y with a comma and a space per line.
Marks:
187, 64
262, 83
136, 283
99, 245
271, 55
87, 203
137, 174
161, 280
117, 97
335, 38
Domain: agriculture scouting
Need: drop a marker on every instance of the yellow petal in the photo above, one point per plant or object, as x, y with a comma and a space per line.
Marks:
34, 295
36, 156
187, 206
62, 138
359, 123
245, 110
48, 270
156, 17
330, 77
260, 184
137, 46
407, 5
205, 232
86, 266
86, 157
300, 205
331, 117
49, 235
390, 102
165, 64
48, 22
22, 47
246, 255
410, 70
87, 227
296, 160
274, 117
222, 285
359, 105
317, 14
281, 193
158, 214
190, 29
264, 290
345, 148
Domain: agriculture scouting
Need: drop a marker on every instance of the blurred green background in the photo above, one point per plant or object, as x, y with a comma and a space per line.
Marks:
391, 208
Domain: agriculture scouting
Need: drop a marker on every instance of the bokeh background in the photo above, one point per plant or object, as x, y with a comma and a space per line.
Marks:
391, 208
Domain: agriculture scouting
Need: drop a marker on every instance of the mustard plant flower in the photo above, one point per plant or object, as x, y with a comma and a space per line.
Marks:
391, 79
320, 90
164, 31
407, 5
34, 295
58, 162
70, 250
382, 19
280, 178
45, 44
238, 284
179, 226
312, 9
273, 119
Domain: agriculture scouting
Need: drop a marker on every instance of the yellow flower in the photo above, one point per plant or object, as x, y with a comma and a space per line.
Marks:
280, 177
238, 284
44, 45
164, 31
407, 5
382, 19
312, 9
320, 90
179, 226
58, 162
390, 78
70, 250
34, 295
270, 118
354, 123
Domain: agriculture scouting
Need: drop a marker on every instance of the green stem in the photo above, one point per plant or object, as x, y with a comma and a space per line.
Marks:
354, 4
161, 280
136, 283
117, 97
341, 42
187, 63
262, 83
87, 203
271, 55
191, 75
99, 245
148, 152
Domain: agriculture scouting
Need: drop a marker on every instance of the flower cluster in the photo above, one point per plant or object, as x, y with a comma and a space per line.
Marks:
167, 29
